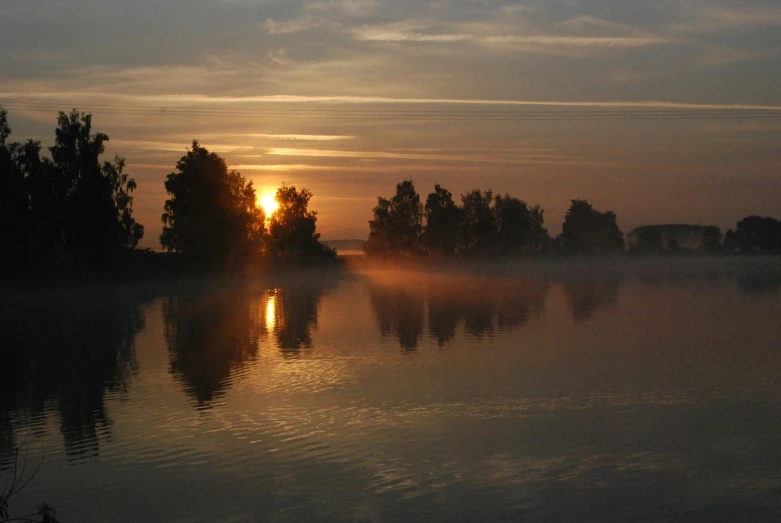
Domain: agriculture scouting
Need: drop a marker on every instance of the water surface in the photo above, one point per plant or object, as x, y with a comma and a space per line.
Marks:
399, 396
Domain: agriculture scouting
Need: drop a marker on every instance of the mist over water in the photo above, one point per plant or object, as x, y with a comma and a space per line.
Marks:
591, 391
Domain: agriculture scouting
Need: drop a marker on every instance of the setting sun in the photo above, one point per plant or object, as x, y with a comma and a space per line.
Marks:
269, 203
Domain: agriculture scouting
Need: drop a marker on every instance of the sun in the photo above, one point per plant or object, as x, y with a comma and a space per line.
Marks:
269, 203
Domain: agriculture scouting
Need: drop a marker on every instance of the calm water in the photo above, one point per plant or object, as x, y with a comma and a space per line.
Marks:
399, 397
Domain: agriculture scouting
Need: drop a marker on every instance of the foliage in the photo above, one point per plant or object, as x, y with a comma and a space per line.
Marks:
69, 204
482, 224
650, 241
587, 231
479, 231
45, 513
521, 228
397, 223
211, 215
292, 228
758, 234
443, 223
13, 204
712, 239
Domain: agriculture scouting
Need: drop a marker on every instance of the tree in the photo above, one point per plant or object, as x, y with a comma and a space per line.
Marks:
130, 232
520, 228
69, 205
211, 215
443, 223
479, 232
540, 239
759, 234
650, 241
293, 226
712, 239
397, 223
13, 196
93, 228
588, 231
730, 243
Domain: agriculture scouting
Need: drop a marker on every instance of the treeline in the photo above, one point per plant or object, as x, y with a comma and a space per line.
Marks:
73, 210
488, 224
483, 224
72, 207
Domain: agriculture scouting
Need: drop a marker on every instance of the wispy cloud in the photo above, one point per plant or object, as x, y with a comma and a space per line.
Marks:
282, 137
386, 155
395, 34
283, 27
368, 100
284, 167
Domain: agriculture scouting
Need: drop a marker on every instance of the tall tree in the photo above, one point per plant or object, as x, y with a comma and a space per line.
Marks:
480, 230
70, 204
520, 227
92, 225
397, 223
293, 227
212, 214
588, 231
443, 223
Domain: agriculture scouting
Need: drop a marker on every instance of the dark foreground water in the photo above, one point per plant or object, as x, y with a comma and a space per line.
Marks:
399, 397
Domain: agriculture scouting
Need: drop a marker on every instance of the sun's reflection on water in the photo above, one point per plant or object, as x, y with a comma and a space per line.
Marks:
271, 311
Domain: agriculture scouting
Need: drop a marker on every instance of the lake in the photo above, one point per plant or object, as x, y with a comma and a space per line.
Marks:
388, 395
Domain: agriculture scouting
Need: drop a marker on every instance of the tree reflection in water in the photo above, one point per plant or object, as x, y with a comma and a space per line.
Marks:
69, 349
398, 312
212, 333
585, 298
209, 335
484, 306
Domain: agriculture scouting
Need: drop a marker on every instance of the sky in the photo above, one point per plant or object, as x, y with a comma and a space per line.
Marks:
664, 111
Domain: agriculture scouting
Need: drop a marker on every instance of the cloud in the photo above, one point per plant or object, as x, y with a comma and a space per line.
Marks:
282, 27
411, 31
485, 158
348, 7
284, 167
283, 137
708, 18
169, 99
580, 41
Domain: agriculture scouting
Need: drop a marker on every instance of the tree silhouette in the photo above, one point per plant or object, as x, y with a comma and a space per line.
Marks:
479, 231
98, 197
70, 204
712, 239
211, 215
292, 229
588, 231
443, 223
650, 241
520, 228
758, 234
397, 223
13, 205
